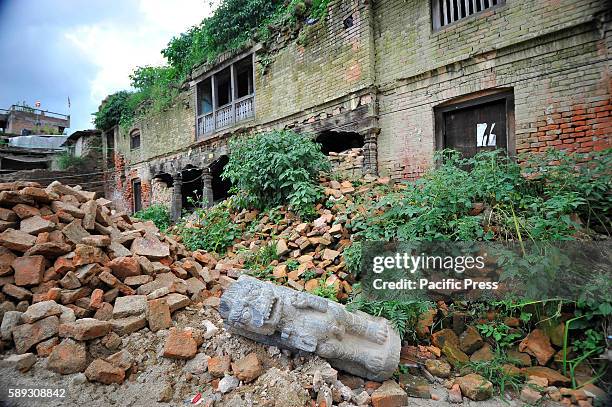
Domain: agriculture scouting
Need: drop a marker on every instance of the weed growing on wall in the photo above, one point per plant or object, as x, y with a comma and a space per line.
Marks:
233, 25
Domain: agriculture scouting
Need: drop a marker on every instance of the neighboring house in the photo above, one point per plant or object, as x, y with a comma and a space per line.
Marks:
85, 143
399, 79
29, 152
24, 120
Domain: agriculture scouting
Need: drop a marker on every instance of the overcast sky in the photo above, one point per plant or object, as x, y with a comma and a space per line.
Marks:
52, 50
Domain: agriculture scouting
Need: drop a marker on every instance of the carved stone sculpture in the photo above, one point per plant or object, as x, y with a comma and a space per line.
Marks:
355, 342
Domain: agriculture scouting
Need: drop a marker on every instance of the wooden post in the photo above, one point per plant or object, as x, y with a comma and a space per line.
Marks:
177, 197
233, 92
213, 87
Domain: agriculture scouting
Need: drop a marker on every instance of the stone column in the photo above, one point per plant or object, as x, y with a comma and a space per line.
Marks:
177, 197
207, 192
370, 151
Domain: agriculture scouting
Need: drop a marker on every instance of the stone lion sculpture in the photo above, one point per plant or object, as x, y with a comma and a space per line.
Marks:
355, 342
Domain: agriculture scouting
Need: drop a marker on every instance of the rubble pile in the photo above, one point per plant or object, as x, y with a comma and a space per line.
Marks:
95, 299
348, 163
72, 271
309, 254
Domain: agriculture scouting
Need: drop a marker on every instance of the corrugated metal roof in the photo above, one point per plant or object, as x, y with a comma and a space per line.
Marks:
44, 142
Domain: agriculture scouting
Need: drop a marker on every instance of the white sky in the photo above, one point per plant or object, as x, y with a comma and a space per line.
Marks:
116, 49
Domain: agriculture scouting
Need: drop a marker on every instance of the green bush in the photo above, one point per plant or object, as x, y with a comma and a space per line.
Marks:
232, 26
352, 257
158, 213
403, 315
536, 204
213, 230
276, 168
66, 160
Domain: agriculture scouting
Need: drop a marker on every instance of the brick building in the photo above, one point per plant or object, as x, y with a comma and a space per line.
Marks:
397, 78
20, 120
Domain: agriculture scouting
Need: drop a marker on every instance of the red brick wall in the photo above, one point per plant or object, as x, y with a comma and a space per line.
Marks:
582, 128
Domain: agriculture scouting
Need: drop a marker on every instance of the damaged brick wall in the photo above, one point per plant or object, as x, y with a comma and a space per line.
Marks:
551, 54
328, 61
331, 80
384, 73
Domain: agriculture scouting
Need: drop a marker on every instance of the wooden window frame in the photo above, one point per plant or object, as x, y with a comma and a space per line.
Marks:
133, 135
436, 13
475, 101
200, 120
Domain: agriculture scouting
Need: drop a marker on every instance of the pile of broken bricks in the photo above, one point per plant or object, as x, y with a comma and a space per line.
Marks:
310, 253
447, 361
72, 270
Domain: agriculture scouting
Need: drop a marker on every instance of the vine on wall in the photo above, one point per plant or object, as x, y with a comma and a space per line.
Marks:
233, 25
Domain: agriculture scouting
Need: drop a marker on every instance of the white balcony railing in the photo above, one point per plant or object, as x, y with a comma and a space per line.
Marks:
225, 116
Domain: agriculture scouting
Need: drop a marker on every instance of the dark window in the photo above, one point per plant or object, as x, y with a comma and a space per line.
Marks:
348, 22
337, 142
445, 12
244, 77
224, 87
135, 139
136, 195
205, 97
478, 125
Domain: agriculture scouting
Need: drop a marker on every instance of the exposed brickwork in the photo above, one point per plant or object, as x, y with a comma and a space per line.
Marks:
386, 74
552, 55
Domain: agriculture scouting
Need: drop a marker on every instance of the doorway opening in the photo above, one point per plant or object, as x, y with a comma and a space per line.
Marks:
220, 186
191, 188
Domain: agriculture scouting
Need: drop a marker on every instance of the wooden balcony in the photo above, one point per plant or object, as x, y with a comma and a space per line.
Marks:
226, 116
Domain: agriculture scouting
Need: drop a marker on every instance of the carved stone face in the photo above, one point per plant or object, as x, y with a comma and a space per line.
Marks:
255, 308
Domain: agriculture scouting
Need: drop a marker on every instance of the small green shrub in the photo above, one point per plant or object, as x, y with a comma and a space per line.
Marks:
66, 160
403, 315
352, 257
326, 291
260, 259
502, 334
276, 168
158, 213
214, 230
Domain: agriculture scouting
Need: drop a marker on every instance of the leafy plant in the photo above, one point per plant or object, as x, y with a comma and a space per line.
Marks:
67, 160
537, 204
261, 258
403, 315
158, 213
213, 230
263, 273
503, 335
309, 275
326, 291
292, 264
118, 107
352, 257
271, 169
